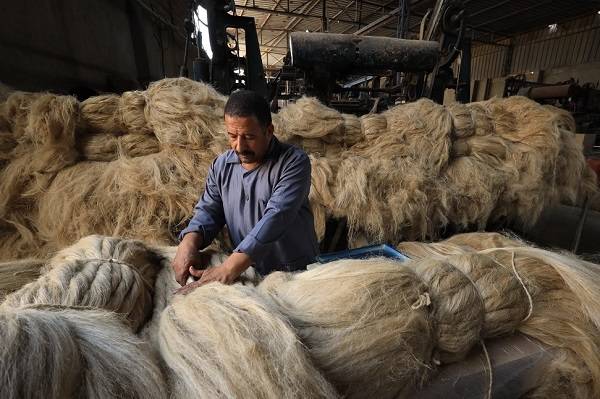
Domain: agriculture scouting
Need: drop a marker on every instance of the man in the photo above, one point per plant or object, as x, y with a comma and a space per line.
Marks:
259, 189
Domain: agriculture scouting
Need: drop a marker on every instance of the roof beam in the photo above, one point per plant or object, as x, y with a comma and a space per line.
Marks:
286, 13
268, 16
378, 22
511, 14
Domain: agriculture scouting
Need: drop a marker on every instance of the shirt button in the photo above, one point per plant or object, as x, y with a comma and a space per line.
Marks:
247, 198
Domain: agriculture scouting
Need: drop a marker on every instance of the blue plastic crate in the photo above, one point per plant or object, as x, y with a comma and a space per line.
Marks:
370, 251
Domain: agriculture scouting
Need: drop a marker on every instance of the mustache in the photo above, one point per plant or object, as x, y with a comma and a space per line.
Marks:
245, 153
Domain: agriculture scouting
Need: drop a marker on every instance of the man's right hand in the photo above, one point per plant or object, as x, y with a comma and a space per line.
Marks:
187, 255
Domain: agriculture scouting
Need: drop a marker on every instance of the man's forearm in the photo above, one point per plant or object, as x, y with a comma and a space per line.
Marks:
192, 241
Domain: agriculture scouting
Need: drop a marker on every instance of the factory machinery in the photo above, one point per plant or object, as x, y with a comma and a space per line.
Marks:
355, 74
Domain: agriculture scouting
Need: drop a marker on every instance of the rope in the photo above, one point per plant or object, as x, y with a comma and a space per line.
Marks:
424, 300
481, 341
119, 262
514, 267
489, 365
516, 273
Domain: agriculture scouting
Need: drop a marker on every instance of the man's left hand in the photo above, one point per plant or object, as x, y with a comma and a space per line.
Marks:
226, 273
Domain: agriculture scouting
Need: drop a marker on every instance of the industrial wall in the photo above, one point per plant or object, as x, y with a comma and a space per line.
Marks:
575, 42
74, 46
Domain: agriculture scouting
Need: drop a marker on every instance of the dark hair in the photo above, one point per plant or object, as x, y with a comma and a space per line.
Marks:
248, 103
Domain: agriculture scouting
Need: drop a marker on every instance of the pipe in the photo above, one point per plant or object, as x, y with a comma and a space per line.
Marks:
352, 53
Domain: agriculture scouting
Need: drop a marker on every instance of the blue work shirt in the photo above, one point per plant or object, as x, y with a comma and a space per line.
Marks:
265, 209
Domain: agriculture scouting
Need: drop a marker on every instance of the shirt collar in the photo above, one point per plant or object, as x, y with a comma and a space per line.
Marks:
272, 151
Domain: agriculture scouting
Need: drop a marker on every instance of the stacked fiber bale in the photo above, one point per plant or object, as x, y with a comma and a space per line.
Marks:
70, 332
230, 342
60, 352
103, 166
317, 128
320, 195
461, 167
365, 322
99, 272
560, 293
379, 327
15, 274
148, 198
134, 165
184, 113
351, 328
43, 129
116, 126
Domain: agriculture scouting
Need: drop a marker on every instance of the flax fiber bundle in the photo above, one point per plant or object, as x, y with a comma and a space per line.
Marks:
131, 112
100, 272
46, 144
428, 167
134, 165
107, 147
58, 352
15, 274
557, 303
148, 198
365, 323
229, 342
101, 114
320, 196
165, 284
307, 119
184, 113
134, 188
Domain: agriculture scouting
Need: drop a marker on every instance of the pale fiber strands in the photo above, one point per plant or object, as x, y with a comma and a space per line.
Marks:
384, 198
185, 113
365, 323
15, 274
148, 198
230, 342
565, 298
58, 352
320, 195
100, 272
44, 125
131, 112
101, 114
14, 111
46, 138
428, 167
145, 191
312, 125
565, 313
165, 286
416, 169
106, 147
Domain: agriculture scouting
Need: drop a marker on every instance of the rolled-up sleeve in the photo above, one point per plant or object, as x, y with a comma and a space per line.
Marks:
288, 195
208, 217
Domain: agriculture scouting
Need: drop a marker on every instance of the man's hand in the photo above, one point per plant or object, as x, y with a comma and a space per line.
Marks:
225, 273
187, 256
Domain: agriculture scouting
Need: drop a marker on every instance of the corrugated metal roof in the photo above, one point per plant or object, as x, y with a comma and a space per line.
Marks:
491, 20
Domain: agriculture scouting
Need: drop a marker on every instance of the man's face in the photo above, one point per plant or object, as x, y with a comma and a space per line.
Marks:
248, 138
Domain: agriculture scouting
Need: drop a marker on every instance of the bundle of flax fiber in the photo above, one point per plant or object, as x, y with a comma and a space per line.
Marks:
70, 333
130, 165
134, 165
351, 328
101, 272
